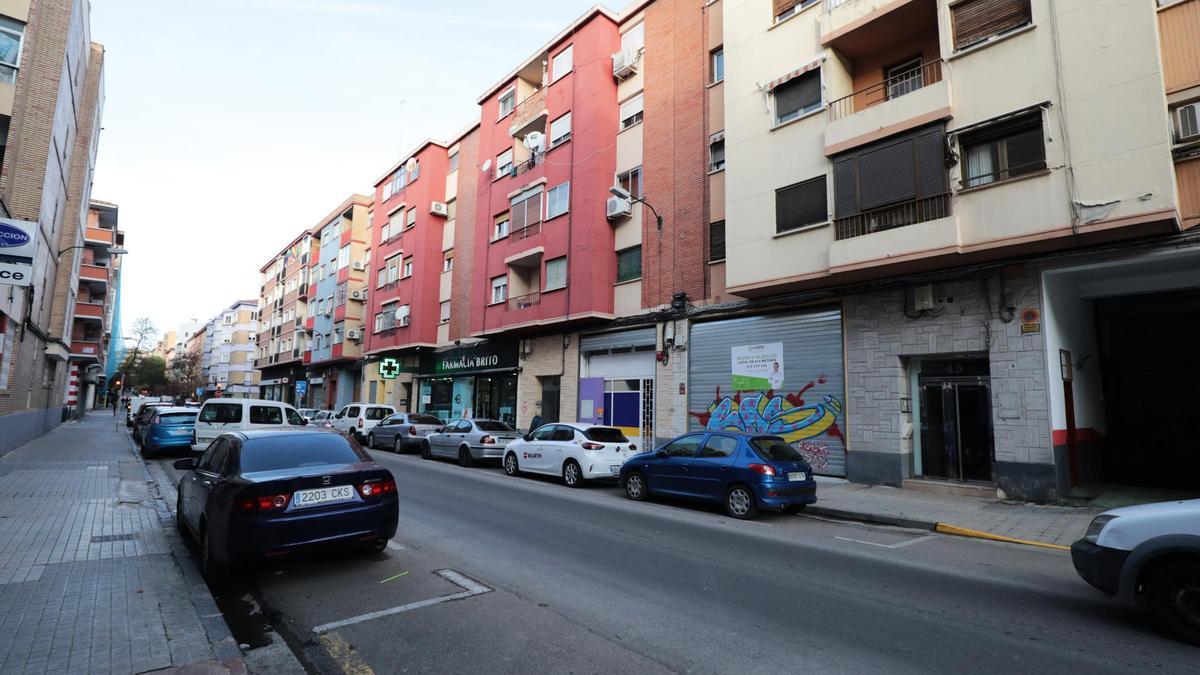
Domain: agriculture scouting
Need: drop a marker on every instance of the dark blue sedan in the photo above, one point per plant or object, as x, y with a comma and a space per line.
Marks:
168, 428
263, 494
744, 472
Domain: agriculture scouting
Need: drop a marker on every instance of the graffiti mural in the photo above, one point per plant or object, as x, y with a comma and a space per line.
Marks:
788, 416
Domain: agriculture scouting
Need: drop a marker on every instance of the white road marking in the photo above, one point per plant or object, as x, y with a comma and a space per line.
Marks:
901, 544
394, 546
472, 587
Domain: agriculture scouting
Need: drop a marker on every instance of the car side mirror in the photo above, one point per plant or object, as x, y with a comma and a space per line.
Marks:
303, 421
185, 464
661, 454
528, 437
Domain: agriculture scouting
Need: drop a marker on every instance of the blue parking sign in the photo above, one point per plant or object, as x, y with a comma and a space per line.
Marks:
301, 387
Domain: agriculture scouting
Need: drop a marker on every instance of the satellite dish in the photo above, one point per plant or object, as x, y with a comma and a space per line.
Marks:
411, 165
534, 140
487, 165
401, 312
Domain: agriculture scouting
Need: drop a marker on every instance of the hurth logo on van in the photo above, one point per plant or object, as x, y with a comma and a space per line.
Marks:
11, 237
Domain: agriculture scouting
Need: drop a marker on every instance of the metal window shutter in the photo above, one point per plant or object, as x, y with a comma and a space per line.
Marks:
845, 186
977, 20
801, 204
931, 163
626, 339
798, 93
887, 174
812, 354
781, 6
716, 240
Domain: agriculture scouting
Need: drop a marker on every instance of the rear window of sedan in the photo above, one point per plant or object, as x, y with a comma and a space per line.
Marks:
490, 425
423, 419
221, 413
774, 449
605, 435
295, 451
377, 413
177, 418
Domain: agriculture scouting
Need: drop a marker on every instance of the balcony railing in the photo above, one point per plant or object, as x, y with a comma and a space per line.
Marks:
893, 216
829, 5
526, 232
524, 301
534, 159
528, 110
896, 86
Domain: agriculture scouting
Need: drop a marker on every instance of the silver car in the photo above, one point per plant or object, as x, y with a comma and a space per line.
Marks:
403, 431
469, 441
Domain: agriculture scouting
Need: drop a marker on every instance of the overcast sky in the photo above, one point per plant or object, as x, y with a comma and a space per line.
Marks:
232, 125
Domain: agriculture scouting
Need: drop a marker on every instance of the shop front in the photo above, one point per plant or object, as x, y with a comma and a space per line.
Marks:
476, 381
616, 382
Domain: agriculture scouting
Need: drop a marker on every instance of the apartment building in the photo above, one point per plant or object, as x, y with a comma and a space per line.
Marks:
95, 305
283, 308
957, 206
337, 294
229, 345
50, 102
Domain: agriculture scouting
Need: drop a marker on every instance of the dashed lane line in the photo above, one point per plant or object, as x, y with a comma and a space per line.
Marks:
470, 586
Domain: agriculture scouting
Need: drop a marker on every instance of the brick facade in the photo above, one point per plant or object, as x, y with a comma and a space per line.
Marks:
547, 357
464, 303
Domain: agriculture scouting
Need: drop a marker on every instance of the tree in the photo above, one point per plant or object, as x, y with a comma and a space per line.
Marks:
150, 373
183, 372
144, 333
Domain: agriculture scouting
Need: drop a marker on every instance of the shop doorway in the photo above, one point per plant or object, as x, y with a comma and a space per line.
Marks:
956, 420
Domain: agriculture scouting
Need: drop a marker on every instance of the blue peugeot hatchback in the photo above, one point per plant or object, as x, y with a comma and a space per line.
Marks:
744, 472
168, 428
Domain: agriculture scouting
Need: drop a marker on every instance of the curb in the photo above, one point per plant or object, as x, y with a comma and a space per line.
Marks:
931, 526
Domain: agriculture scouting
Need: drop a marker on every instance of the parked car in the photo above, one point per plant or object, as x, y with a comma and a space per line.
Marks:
169, 427
323, 418
144, 412
357, 419
403, 431
469, 441
135, 406
744, 472
1148, 556
308, 413
261, 494
219, 415
577, 452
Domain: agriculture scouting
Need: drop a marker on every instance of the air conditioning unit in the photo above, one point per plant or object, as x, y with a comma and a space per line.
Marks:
328, 311
618, 208
353, 335
357, 294
625, 62
439, 209
358, 266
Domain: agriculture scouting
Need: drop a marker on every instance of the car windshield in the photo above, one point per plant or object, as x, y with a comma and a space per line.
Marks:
492, 425
294, 451
423, 419
378, 413
775, 449
177, 418
605, 435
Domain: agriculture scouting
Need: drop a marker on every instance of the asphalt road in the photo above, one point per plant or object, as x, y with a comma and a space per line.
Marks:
587, 581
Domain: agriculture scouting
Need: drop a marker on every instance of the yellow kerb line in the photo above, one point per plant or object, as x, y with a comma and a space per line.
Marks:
946, 528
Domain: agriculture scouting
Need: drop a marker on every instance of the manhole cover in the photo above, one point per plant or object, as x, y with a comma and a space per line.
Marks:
100, 539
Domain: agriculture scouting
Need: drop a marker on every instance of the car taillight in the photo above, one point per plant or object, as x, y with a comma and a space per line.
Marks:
588, 445
263, 503
377, 488
412, 431
764, 469
487, 440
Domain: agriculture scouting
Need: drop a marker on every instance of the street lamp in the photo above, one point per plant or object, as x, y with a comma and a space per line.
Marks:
111, 250
621, 193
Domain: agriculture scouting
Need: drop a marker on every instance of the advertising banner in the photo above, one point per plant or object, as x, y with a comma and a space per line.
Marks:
757, 367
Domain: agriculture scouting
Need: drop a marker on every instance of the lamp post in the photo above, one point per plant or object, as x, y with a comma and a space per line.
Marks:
621, 193
111, 250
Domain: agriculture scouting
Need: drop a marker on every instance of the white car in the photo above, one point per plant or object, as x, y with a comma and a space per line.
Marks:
577, 452
1148, 556
357, 419
220, 415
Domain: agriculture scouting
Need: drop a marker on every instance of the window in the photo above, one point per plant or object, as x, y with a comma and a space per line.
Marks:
629, 264
716, 241
225, 358
798, 96
410, 218
451, 209
1003, 151
387, 191
717, 64
452, 163
1186, 120
904, 78
393, 269
395, 224
558, 200
408, 268
801, 204
631, 112
385, 320
344, 257
556, 274
11, 33
447, 263
276, 452
562, 64
978, 20
221, 413
508, 101
266, 414
634, 39
719, 446
783, 9
716, 152
381, 280
560, 130
894, 173
504, 163
499, 289
526, 209
684, 446
631, 181
444, 312
500, 228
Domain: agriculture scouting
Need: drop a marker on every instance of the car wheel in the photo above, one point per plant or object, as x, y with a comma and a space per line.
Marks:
740, 503
464, 457
572, 475
1174, 594
371, 440
635, 487
510, 464
180, 523
426, 451
213, 572
794, 508
397, 446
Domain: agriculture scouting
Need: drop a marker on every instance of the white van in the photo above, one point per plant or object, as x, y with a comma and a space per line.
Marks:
135, 404
356, 419
220, 415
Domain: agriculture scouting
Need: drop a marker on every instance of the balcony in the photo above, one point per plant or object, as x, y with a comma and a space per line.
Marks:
98, 236
91, 311
529, 308
525, 301
308, 322
307, 357
904, 101
899, 233
95, 273
893, 216
529, 115
85, 349
840, 18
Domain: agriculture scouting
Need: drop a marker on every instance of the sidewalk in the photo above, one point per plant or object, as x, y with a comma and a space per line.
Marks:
1054, 525
93, 576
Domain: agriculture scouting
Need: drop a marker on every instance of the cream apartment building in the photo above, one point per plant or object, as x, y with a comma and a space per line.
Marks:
230, 342
973, 215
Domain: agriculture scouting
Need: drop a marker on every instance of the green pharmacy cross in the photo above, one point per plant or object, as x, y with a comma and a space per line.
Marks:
389, 369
